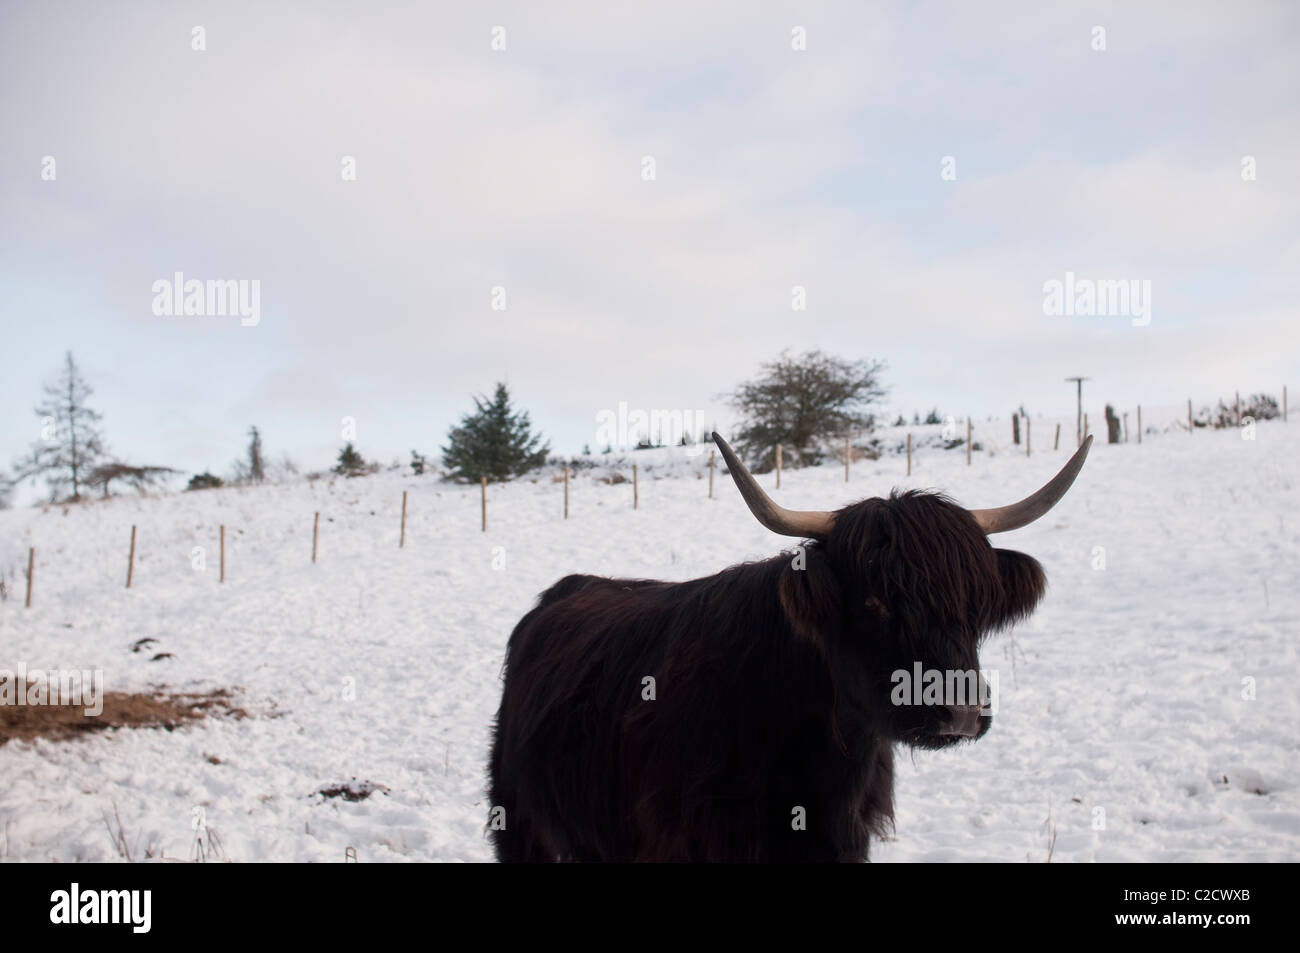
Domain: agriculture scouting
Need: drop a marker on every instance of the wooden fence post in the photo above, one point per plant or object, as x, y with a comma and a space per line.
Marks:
130, 560
315, 531
1026, 435
1283, 403
712, 454
778, 466
31, 567
223, 553
909, 454
483, 499
1056, 443
636, 493
847, 454
566, 490
401, 543
968, 433
1085, 426
1189, 415
1236, 405
1139, 423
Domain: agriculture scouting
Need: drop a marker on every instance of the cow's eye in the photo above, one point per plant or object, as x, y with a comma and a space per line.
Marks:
877, 607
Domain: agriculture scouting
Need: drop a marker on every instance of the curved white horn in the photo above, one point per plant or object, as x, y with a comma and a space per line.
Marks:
778, 519
1020, 514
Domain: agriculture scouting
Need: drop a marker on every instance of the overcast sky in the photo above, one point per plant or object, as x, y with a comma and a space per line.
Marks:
523, 168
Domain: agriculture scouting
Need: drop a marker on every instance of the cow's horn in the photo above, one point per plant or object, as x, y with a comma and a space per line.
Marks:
1020, 514
776, 518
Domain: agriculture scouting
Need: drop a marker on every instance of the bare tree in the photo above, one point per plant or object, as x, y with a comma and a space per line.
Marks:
802, 401
71, 444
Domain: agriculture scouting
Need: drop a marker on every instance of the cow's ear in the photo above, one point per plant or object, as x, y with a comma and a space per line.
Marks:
810, 595
1023, 584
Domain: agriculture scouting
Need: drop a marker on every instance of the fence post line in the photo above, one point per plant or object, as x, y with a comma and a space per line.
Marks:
483, 500
1139, 423
130, 560
223, 553
31, 567
1026, 435
1056, 443
909, 454
968, 433
712, 454
566, 489
778, 466
636, 493
315, 531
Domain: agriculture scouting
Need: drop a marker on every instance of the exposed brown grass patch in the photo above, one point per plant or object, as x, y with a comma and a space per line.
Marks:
155, 709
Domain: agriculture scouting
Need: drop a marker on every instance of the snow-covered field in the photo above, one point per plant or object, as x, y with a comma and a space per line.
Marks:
1123, 700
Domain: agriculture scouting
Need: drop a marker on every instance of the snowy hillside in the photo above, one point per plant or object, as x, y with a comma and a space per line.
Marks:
1121, 699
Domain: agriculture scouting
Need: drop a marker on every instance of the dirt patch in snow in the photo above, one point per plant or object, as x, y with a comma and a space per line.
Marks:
154, 709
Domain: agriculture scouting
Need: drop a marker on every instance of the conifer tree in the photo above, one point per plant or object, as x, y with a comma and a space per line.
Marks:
494, 441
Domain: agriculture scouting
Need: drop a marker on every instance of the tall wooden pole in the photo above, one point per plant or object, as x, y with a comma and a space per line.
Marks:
315, 532
712, 455
1085, 425
31, 567
483, 500
1079, 428
909, 454
223, 553
130, 560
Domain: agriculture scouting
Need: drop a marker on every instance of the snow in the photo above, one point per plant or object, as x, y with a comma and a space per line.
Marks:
1121, 698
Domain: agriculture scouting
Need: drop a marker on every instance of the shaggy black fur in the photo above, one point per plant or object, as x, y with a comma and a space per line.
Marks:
772, 690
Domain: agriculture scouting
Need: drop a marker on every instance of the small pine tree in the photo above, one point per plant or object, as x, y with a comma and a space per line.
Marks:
71, 443
350, 462
418, 463
933, 417
256, 468
204, 481
494, 442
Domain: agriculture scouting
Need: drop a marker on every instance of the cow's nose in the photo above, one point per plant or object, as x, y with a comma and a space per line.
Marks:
963, 721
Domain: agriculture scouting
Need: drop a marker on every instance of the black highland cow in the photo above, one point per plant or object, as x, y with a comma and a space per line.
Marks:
770, 735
